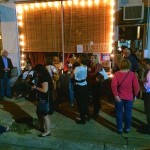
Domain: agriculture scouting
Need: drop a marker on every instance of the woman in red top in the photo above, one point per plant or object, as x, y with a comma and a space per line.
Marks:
125, 88
93, 69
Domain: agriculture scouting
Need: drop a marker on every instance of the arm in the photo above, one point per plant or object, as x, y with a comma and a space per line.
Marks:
98, 68
136, 86
43, 89
147, 80
114, 88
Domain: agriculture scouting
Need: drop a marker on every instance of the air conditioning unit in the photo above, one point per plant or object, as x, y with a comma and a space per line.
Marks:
133, 11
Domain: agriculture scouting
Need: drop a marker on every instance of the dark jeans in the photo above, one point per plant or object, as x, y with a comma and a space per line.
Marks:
96, 97
5, 85
146, 98
81, 94
126, 106
2, 129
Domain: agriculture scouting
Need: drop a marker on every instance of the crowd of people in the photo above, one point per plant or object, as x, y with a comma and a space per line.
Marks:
86, 78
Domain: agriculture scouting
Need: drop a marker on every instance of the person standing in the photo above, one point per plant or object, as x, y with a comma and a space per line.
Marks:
80, 89
94, 68
134, 64
5, 74
146, 95
125, 88
43, 88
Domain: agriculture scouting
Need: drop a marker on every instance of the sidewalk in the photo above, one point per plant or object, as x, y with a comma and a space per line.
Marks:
97, 134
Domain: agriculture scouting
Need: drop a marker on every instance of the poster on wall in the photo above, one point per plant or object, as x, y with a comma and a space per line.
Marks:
105, 56
79, 48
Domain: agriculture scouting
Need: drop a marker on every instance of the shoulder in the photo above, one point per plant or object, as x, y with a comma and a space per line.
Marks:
98, 65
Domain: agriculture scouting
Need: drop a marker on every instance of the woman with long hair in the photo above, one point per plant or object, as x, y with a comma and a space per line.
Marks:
43, 87
94, 68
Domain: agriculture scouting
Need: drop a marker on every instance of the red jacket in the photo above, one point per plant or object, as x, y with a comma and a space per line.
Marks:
129, 87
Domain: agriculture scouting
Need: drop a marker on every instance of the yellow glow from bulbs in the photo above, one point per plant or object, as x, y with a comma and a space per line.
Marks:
19, 17
63, 3
56, 4
50, 4
105, 1
20, 24
96, 2
82, 3
21, 36
69, 3
89, 3
112, 12
26, 7
22, 55
75, 2
19, 9
112, 55
22, 43
22, 61
37, 5
44, 5
112, 3
32, 6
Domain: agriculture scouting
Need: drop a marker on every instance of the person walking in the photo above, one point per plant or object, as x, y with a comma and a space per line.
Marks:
5, 74
43, 88
125, 88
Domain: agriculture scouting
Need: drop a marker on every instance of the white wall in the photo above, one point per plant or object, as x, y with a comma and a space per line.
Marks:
9, 32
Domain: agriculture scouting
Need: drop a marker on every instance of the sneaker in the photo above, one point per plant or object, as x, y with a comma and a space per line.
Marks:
120, 131
80, 121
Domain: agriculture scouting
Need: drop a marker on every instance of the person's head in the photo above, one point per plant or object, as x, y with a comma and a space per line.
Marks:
83, 59
49, 61
4, 53
126, 52
146, 63
94, 59
124, 64
41, 70
55, 59
28, 65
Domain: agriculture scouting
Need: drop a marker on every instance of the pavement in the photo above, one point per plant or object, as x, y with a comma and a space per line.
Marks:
97, 134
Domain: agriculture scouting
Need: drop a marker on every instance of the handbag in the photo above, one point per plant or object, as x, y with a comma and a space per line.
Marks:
55, 77
43, 106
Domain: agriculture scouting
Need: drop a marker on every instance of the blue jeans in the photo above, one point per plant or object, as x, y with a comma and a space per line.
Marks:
71, 92
5, 85
124, 112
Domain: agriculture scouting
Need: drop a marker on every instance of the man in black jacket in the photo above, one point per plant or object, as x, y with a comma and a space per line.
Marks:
5, 74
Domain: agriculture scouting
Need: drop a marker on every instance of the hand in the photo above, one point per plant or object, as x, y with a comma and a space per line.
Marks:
6, 69
118, 99
34, 87
135, 98
89, 69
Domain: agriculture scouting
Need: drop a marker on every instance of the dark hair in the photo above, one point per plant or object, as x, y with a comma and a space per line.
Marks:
49, 61
43, 72
84, 59
28, 61
146, 60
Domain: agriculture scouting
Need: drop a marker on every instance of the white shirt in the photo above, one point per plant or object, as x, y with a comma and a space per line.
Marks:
27, 73
80, 73
51, 69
